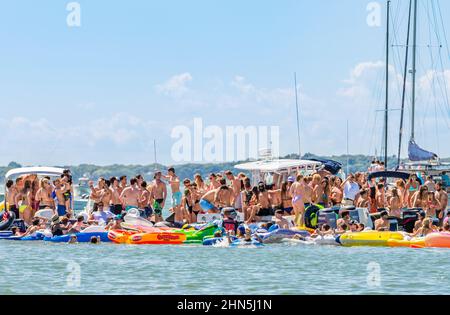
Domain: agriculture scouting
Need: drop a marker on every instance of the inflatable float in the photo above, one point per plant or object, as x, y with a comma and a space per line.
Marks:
214, 240
368, 238
196, 236
157, 238
81, 237
278, 235
7, 220
439, 240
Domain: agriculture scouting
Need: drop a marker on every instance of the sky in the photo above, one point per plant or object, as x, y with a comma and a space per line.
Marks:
135, 71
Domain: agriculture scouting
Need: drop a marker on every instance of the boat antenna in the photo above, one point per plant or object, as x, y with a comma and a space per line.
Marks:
348, 154
405, 73
387, 90
154, 150
298, 118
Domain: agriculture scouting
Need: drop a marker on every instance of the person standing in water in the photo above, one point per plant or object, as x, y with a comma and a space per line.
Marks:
236, 185
130, 196
159, 195
297, 192
11, 193
442, 198
174, 182
116, 205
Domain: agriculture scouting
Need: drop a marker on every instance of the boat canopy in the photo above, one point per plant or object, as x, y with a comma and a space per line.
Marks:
278, 166
43, 171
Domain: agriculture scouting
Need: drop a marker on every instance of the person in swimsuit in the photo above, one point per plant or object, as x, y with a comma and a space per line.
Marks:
297, 192
159, 195
321, 193
144, 203
130, 196
116, 205
383, 223
286, 199
188, 207
412, 186
280, 221
11, 193
177, 196
43, 197
442, 196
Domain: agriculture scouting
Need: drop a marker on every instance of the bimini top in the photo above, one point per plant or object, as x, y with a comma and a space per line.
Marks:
278, 165
43, 171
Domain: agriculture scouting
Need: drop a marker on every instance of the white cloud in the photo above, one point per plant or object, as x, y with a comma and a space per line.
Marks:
176, 85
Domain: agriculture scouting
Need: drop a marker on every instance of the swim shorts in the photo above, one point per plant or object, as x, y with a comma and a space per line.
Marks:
62, 210
265, 212
206, 205
157, 206
176, 198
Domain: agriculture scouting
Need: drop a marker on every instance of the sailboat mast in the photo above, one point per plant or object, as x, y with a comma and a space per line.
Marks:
414, 57
405, 73
298, 118
387, 90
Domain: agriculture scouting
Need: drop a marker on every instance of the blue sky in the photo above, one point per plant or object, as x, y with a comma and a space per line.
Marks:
101, 93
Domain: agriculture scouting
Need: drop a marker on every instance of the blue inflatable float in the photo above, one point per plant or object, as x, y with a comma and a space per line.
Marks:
81, 237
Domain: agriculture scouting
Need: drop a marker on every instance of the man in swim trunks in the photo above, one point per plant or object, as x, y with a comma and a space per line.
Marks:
130, 196
442, 198
236, 185
59, 192
159, 195
44, 197
116, 205
308, 192
208, 200
11, 193
224, 196
96, 192
174, 183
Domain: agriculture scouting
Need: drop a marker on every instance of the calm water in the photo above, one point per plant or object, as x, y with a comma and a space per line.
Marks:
45, 268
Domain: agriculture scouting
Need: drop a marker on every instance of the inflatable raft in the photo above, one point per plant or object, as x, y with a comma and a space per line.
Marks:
440, 240
81, 237
369, 238
157, 238
278, 235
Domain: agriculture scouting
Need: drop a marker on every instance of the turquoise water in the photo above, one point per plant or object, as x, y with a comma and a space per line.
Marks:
47, 268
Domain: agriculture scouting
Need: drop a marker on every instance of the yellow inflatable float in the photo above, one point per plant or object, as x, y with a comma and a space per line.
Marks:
369, 238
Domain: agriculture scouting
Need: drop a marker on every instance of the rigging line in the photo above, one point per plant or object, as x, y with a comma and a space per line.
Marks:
448, 51
441, 76
405, 73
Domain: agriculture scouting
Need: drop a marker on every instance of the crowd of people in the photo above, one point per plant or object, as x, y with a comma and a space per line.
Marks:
114, 197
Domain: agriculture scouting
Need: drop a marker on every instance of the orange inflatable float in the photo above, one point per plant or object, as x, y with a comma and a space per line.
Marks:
441, 240
159, 238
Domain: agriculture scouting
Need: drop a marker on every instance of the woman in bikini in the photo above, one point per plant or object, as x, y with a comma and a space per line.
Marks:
297, 192
286, 199
412, 186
